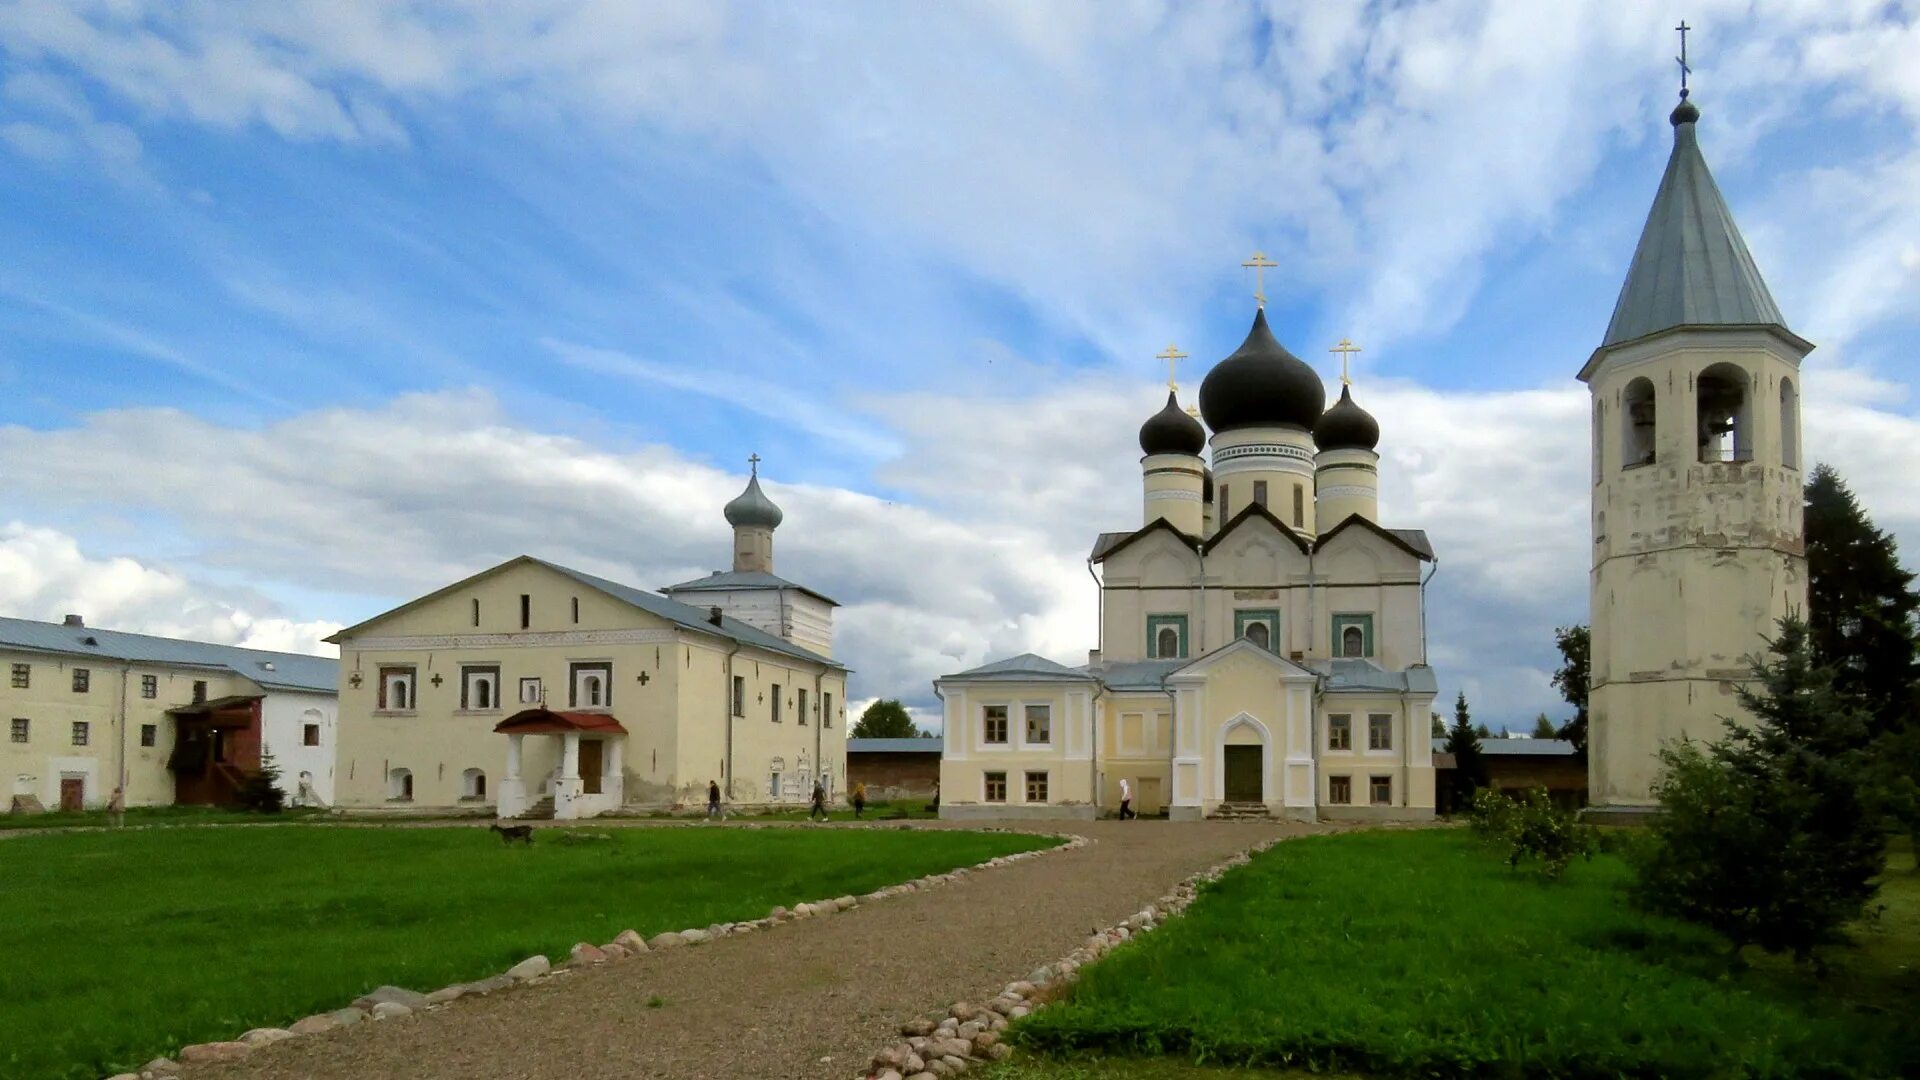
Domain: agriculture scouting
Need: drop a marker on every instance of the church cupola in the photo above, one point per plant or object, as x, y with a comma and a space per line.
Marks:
1346, 467
1261, 404
1173, 477
753, 517
1346, 426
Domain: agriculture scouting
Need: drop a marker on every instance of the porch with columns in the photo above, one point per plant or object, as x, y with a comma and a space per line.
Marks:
594, 740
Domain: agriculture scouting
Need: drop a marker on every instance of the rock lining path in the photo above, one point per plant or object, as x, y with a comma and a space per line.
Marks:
809, 1000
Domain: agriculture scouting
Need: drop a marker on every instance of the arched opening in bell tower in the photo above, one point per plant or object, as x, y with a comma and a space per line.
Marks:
1789, 424
1636, 424
1723, 414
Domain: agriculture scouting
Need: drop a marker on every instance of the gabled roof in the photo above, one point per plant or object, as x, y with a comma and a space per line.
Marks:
736, 580
1026, 667
551, 722
1692, 266
1253, 510
271, 670
1110, 543
1192, 668
896, 746
1413, 541
682, 615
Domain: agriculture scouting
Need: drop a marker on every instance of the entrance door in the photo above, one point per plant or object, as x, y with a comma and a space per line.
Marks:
590, 766
1243, 774
73, 794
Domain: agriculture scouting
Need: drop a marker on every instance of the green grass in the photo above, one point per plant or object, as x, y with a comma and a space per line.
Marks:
153, 815
116, 946
899, 810
1420, 953
1031, 1068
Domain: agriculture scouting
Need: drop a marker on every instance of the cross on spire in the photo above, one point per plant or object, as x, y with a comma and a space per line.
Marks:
1346, 349
753, 463
1259, 265
1682, 58
1172, 355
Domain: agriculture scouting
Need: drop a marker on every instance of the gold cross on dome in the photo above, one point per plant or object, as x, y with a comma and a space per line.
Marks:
1346, 349
753, 462
1260, 264
1172, 355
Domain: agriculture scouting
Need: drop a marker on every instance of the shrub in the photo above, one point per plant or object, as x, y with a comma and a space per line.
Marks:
260, 791
1532, 827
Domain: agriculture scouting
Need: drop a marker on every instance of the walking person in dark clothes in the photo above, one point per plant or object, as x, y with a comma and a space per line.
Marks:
713, 800
819, 809
859, 799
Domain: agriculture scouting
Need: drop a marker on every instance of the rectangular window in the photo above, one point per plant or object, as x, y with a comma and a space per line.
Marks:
1036, 787
996, 787
476, 611
149, 734
1380, 790
21, 728
1166, 637
592, 685
1339, 790
826, 710
576, 610
993, 723
739, 695
480, 687
199, 691
82, 678
1299, 506
776, 703
1353, 634
1223, 504
1339, 732
149, 686
800, 707
310, 735
1260, 626
526, 611
1380, 731
395, 689
22, 676
1039, 725
80, 732
530, 690
1260, 493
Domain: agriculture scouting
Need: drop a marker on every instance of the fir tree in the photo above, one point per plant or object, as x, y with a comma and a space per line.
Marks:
1543, 728
261, 789
1572, 680
1469, 765
1768, 836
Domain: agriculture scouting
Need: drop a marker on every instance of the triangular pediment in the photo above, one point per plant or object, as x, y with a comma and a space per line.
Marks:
1241, 651
1254, 516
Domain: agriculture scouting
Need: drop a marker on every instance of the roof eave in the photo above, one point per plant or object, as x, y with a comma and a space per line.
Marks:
1800, 345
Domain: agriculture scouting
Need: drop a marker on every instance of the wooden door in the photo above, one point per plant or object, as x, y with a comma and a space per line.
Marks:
591, 766
1243, 774
73, 794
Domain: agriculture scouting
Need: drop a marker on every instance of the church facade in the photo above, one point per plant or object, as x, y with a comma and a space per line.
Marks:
536, 690
1261, 638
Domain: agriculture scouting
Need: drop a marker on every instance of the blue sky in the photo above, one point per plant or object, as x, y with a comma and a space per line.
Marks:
309, 308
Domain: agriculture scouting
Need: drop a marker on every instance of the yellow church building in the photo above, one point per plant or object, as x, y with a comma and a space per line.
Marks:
1262, 647
538, 690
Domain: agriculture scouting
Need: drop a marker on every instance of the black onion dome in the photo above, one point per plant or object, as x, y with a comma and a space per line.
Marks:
1346, 426
1171, 431
1261, 385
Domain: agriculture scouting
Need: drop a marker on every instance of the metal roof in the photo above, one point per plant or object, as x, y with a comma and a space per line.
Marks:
1026, 666
895, 746
271, 670
1691, 267
1358, 676
732, 580
1137, 674
1499, 747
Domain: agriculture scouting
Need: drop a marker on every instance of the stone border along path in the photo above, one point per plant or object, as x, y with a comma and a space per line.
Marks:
935, 1050
802, 998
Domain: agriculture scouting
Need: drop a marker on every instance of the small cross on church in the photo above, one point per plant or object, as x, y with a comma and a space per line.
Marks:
1260, 264
1172, 355
1682, 58
643, 678
1346, 349
753, 463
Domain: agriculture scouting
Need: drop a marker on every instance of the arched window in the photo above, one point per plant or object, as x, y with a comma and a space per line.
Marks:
1167, 644
1636, 424
1353, 642
1259, 634
400, 785
1599, 441
1789, 424
483, 694
1723, 414
473, 785
593, 689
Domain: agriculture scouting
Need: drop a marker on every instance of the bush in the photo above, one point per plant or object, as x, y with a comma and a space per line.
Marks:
1532, 827
260, 792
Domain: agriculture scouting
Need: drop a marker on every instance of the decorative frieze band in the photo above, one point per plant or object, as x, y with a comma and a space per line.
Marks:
1347, 490
1173, 493
415, 642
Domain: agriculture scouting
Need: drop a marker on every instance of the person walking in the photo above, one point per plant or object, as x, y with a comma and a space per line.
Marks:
819, 809
859, 799
117, 808
713, 801
1126, 800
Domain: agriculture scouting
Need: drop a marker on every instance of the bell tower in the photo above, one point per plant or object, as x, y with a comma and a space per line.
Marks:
1698, 545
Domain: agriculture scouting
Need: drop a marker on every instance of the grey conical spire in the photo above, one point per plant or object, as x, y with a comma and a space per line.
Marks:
1691, 268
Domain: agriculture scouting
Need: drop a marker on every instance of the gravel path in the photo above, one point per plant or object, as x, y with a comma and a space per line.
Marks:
808, 999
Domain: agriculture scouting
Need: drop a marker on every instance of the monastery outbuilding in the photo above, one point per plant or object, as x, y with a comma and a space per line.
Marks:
541, 691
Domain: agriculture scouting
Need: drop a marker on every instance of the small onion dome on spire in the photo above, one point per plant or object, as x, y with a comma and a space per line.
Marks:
1261, 385
1346, 426
1684, 113
1171, 431
752, 507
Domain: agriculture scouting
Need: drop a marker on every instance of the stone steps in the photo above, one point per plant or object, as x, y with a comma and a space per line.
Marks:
540, 811
1240, 812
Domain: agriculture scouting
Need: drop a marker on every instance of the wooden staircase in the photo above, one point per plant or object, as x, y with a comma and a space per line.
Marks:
1240, 811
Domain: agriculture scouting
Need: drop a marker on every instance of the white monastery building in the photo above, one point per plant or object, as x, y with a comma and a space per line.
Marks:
1261, 645
1698, 543
542, 691
168, 721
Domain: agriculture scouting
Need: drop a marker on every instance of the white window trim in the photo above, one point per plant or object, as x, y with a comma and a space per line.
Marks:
1047, 705
1048, 773
1016, 727
1394, 735
1006, 779
411, 677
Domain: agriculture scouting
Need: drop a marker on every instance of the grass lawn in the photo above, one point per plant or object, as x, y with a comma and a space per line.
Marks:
118, 946
1420, 953
153, 815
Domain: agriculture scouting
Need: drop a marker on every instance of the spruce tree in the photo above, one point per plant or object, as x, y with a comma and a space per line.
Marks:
1860, 602
1543, 728
1469, 764
1768, 835
1572, 680
261, 788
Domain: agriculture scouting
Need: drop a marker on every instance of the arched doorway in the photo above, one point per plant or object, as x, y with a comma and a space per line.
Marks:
1243, 753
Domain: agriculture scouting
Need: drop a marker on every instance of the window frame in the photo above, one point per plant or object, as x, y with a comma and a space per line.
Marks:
409, 674
309, 734
774, 690
470, 674
82, 684
1168, 621
149, 686
82, 734
988, 779
800, 706
1026, 724
1260, 493
826, 709
1379, 733
1045, 780
1299, 506
530, 682
1345, 727
1339, 790
22, 676
1375, 783
149, 735
1342, 620
987, 721
577, 672
20, 730
739, 695
1245, 617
